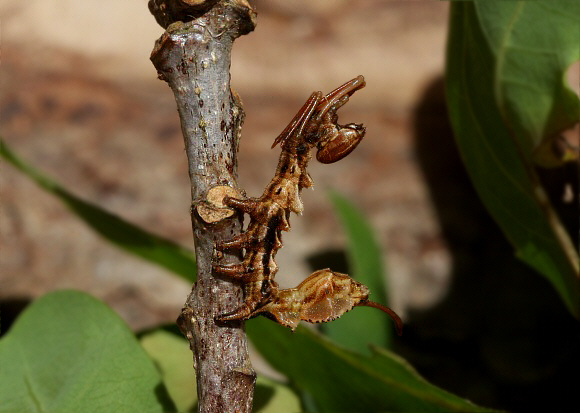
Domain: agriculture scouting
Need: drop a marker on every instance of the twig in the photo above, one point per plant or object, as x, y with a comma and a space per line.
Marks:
193, 56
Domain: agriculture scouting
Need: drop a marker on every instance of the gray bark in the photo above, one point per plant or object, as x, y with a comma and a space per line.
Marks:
193, 56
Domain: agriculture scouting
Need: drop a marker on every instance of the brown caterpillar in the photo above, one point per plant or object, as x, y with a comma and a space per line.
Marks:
324, 295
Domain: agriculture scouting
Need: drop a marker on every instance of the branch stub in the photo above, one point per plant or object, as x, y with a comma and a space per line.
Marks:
214, 210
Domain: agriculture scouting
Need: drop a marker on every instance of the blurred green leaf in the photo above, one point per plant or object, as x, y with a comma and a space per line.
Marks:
484, 76
271, 396
133, 239
342, 381
68, 352
174, 361
362, 326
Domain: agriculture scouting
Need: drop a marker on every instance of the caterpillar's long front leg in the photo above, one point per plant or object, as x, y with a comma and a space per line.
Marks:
300, 119
324, 296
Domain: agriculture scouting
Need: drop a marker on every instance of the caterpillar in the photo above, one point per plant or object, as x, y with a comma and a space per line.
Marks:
325, 295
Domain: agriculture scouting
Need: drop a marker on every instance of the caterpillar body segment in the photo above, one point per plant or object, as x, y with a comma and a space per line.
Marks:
324, 296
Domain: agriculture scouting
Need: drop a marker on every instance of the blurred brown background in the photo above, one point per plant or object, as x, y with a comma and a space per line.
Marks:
81, 101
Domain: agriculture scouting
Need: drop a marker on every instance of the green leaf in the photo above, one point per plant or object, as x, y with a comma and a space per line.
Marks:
68, 352
342, 381
362, 326
133, 239
271, 396
497, 160
174, 361
533, 44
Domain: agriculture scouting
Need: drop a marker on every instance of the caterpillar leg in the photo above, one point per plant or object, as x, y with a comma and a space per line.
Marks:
232, 270
237, 242
256, 295
243, 312
244, 205
299, 120
346, 89
339, 96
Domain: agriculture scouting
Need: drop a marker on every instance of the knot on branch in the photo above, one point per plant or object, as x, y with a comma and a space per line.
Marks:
167, 12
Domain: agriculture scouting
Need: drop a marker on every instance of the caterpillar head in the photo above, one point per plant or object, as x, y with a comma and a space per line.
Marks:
338, 141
